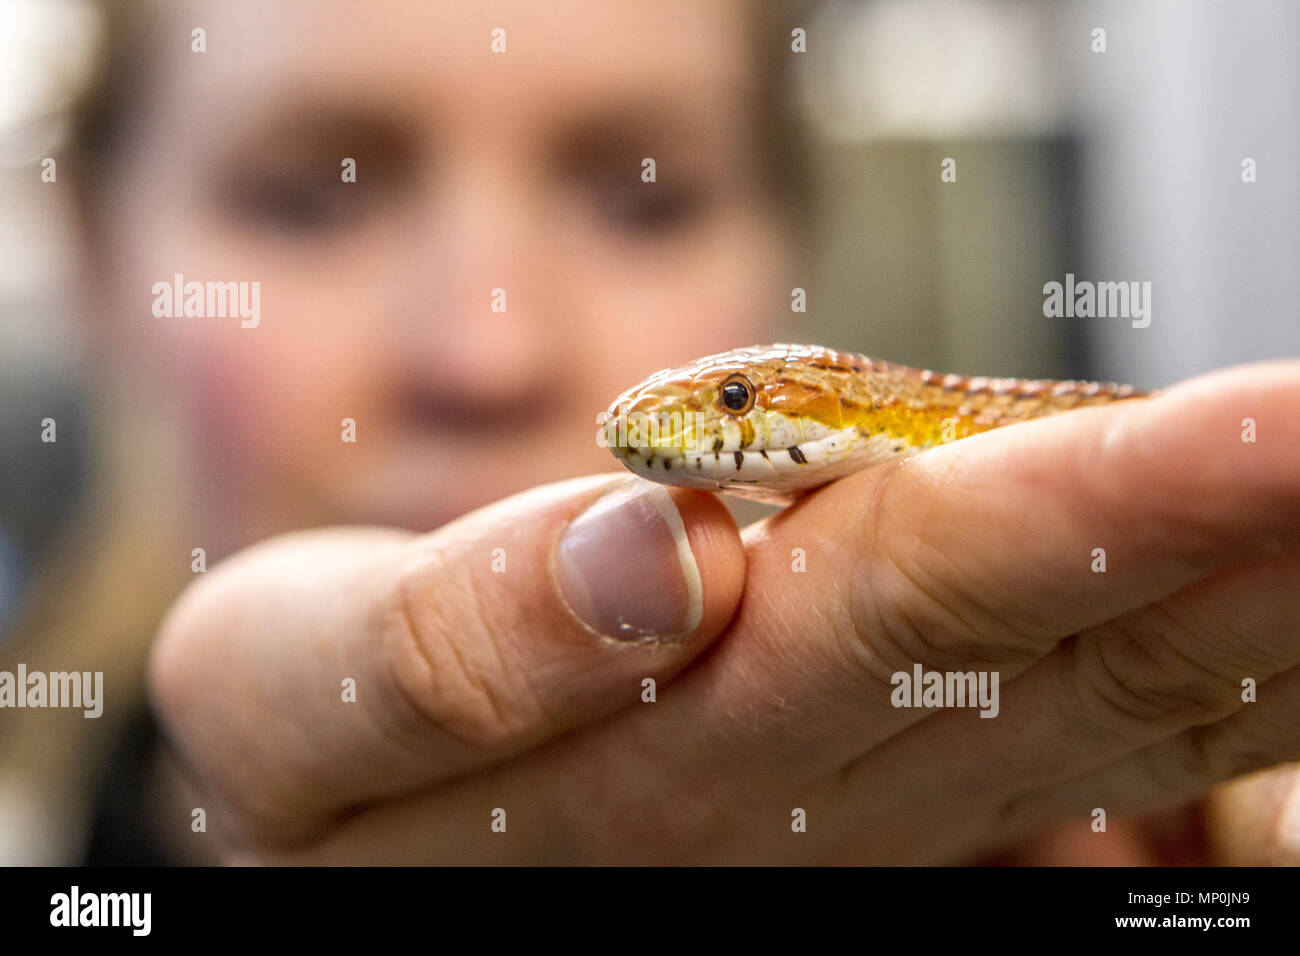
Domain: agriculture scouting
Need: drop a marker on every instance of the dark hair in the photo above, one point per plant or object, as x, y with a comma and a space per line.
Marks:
104, 113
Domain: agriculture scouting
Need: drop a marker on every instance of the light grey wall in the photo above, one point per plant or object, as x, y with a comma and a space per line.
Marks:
1185, 91
1123, 165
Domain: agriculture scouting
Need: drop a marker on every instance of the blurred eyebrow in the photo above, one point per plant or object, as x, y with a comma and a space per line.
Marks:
313, 127
614, 131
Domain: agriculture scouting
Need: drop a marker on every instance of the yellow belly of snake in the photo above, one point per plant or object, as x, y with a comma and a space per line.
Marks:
773, 422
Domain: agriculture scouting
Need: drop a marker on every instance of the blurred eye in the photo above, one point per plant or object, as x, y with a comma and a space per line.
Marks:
285, 174
647, 207
288, 203
601, 158
737, 394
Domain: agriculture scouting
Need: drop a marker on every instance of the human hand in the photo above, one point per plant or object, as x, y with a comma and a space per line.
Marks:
476, 691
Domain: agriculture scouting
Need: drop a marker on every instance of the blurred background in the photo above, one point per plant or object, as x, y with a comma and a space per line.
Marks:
1117, 165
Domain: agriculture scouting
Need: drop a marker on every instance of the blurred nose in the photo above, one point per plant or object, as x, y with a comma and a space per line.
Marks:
483, 326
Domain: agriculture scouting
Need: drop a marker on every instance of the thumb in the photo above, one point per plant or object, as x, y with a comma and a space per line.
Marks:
326, 669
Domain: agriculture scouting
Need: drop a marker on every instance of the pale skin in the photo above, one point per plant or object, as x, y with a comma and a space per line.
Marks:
1120, 690
478, 689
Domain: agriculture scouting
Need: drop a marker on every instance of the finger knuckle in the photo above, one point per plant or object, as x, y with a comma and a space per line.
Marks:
908, 615
1140, 675
905, 608
445, 663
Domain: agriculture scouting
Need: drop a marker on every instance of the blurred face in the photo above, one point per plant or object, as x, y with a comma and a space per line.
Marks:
476, 171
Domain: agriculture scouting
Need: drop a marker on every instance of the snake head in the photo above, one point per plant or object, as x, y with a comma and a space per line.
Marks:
738, 421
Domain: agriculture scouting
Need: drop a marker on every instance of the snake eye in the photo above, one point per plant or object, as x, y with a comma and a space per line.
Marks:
737, 394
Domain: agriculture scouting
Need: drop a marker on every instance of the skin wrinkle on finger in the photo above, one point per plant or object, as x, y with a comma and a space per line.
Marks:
1145, 637
458, 698
1194, 761
1248, 640
1012, 758
496, 725
1176, 769
872, 625
410, 636
910, 631
864, 634
397, 715
1198, 647
944, 640
888, 607
936, 477
290, 822
1119, 676
509, 684
1214, 689
1068, 707
417, 728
